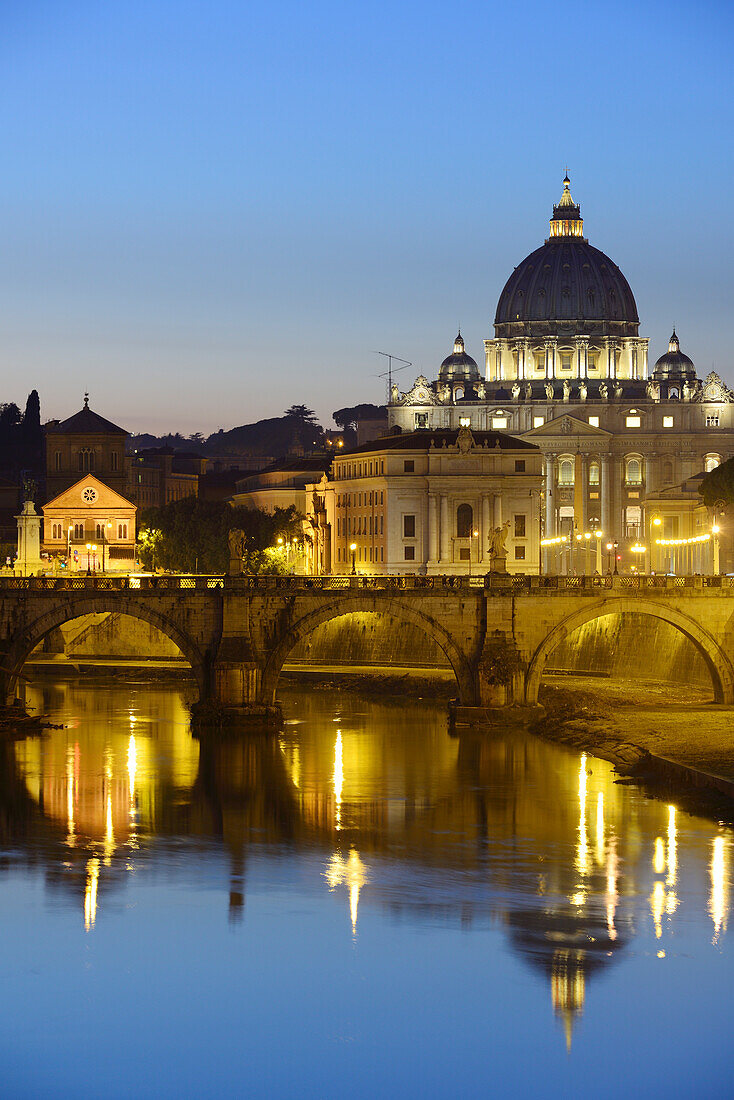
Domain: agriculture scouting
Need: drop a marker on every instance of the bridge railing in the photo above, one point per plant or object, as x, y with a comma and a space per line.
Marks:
490, 583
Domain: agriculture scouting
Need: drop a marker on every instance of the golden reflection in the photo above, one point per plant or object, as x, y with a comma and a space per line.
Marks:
612, 897
658, 859
131, 768
338, 779
70, 785
672, 848
350, 872
582, 851
600, 829
657, 907
90, 894
568, 989
719, 897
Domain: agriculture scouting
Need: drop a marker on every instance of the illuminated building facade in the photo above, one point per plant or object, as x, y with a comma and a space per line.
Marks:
568, 371
91, 527
428, 502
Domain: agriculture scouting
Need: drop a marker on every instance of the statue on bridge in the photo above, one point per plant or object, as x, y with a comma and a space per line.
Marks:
236, 540
497, 552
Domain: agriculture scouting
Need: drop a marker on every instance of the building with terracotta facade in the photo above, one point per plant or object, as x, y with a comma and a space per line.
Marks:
91, 528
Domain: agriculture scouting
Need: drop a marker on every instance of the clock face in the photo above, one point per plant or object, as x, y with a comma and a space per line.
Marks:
90, 495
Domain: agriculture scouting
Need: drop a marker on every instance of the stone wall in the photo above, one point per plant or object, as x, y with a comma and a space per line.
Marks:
631, 646
109, 634
368, 638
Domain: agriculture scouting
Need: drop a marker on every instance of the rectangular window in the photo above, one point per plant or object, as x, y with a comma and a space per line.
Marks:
57, 460
382, 554
408, 466
499, 422
667, 421
382, 497
382, 467
113, 458
712, 421
370, 553
594, 421
381, 520
565, 361
519, 465
519, 553
370, 469
520, 527
464, 553
410, 553
408, 527
538, 421
633, 421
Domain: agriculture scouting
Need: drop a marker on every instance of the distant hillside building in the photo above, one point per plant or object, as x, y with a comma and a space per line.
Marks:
159, 475
282, 484
86, 443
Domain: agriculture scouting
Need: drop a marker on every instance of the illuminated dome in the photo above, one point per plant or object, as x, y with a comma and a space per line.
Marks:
459, 367
674, 364
566, 286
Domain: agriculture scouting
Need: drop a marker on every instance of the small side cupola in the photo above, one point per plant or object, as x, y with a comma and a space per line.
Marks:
674, 365
459, 367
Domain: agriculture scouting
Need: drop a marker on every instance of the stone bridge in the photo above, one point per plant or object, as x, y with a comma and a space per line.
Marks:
497, 632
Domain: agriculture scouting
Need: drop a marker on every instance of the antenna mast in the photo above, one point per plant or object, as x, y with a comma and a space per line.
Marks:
389, 372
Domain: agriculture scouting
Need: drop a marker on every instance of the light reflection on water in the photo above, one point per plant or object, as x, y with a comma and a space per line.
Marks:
512, 918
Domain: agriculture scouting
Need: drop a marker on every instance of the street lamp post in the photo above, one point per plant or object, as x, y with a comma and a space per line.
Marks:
353, 548
69, 529
474, 535
105, 540
89, 560
615, 546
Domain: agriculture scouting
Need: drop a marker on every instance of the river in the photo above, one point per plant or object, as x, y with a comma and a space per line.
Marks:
361, 906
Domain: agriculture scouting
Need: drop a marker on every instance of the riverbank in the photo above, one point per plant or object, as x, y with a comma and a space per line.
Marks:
658, 732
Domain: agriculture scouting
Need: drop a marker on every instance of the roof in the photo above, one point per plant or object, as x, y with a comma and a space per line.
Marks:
424, 440
299, 463
86, 422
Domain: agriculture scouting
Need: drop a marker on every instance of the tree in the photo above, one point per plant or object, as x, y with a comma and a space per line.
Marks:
717, 488
31, 435
191, 535
347, 418
302, 412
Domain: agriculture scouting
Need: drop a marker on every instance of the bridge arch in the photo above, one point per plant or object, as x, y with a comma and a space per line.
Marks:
719, 666
25, 640
308, 622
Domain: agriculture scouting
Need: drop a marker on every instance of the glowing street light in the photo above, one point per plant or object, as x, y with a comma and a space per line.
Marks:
353, 548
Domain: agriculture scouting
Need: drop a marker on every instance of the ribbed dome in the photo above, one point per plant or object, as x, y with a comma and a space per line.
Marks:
566, 286
674, 364
459, 367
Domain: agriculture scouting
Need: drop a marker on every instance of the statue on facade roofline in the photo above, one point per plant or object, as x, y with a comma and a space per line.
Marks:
583, 392
394, 394
528, 391
652, 389
687, 390
604, 391
549, 390
516, 392
618, 391
566, 389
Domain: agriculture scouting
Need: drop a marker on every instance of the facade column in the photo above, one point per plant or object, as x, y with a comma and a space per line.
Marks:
584, 494
606, 500
432, 528
582, 356
549, 553
444, 530
485, 527
649, 472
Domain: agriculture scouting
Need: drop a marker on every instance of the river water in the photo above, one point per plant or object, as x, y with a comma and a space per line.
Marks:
363, 906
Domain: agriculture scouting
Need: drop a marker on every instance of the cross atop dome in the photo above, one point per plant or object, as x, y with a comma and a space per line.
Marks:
566, 220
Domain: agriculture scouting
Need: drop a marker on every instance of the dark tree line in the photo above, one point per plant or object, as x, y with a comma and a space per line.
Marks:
21, 439
191, 535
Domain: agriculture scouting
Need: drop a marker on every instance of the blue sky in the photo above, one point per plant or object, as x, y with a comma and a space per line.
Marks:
209, 211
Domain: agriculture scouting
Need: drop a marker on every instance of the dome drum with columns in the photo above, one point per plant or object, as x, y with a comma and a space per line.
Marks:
568, 371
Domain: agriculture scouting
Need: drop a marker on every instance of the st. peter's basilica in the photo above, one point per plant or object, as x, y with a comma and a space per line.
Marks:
567, 370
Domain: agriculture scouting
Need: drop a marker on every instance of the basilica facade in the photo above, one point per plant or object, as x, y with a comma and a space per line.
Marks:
568, 371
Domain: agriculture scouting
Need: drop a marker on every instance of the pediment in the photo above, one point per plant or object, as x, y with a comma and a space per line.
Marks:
89, 492
566, 425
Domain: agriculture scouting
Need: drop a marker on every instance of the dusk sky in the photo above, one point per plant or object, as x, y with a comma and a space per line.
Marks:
209, 211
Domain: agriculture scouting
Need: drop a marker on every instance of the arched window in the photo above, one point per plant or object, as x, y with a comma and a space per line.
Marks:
711, 462
565, 471
593, 473
464, 521
122, 530
78, 530
667, 473
633, 471
86, 459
